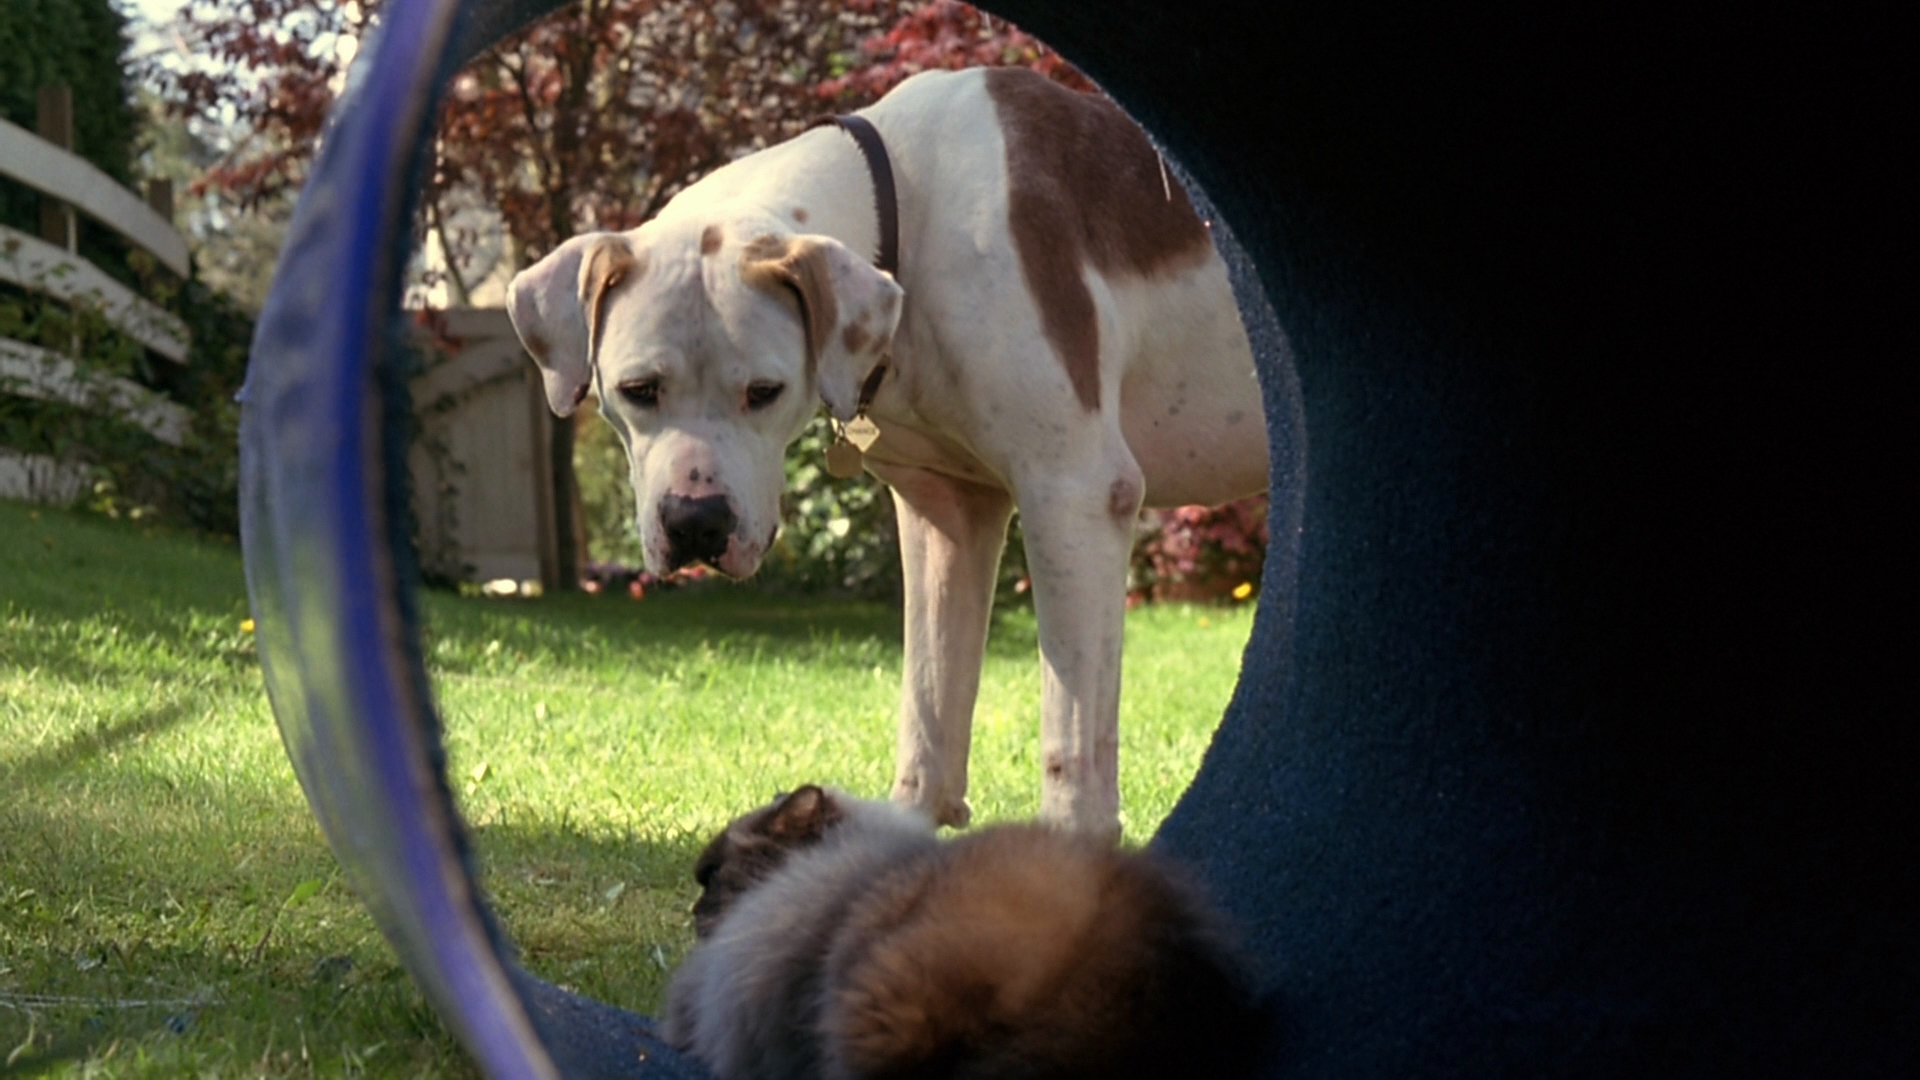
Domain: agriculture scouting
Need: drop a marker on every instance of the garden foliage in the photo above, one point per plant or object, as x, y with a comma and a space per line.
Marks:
81, 43
78, 43
1200, 552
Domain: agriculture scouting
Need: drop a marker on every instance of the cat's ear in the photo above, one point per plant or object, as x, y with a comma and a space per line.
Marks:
804, 814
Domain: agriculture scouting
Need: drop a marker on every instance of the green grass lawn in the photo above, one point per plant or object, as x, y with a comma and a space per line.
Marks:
168, 907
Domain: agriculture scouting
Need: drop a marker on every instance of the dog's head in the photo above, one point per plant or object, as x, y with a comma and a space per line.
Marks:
708, 347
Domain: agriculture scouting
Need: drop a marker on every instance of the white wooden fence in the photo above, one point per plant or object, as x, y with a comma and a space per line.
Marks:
41, 165
37, 265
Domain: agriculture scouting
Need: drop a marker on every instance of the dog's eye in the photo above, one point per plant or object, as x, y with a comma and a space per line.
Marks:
762, 394
645, 393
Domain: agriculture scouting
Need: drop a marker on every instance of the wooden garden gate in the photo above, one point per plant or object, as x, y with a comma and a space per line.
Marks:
482, 478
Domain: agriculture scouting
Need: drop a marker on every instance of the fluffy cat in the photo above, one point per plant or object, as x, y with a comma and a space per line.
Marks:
839, 938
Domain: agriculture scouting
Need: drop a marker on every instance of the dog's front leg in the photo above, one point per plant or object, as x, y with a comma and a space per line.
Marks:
951, 535
1079, 534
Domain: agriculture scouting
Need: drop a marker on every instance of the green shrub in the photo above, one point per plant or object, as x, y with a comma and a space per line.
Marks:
82, 44
195, 484
79, 43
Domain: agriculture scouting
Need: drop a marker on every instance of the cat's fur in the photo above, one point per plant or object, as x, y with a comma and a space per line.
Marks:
839, 938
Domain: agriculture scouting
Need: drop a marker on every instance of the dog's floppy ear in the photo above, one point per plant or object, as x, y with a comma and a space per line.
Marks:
850, 309
556, 306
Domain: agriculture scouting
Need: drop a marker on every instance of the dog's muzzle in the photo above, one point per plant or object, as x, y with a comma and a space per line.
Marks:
697, 529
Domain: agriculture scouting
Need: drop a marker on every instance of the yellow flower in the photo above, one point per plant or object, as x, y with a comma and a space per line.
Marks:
1243, 590
246, 626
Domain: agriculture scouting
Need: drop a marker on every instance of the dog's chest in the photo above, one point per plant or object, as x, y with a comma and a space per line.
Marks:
913, 438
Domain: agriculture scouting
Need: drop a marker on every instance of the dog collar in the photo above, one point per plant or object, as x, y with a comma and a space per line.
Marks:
844, 457
885, 198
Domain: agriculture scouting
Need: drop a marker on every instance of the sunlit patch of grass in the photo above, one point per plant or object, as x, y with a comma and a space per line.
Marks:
168, 907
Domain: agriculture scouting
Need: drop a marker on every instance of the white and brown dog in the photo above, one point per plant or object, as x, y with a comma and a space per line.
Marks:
1061, 338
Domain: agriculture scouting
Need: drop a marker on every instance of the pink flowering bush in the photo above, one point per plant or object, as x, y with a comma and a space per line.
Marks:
1200, 552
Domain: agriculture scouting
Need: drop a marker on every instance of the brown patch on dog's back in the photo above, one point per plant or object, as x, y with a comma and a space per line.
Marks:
800, 214
710, 238
1085, 186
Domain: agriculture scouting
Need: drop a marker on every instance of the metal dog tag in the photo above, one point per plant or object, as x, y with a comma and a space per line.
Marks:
844, 459
862, 433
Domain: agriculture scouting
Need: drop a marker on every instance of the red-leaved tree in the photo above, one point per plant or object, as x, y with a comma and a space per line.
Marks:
944, 34
591, 117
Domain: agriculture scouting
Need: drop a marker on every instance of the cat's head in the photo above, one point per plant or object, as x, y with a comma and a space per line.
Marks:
754, 845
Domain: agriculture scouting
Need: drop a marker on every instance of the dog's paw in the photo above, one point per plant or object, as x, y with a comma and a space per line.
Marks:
951, 812
956, 814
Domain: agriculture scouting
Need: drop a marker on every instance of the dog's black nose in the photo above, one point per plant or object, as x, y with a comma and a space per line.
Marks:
697, 529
